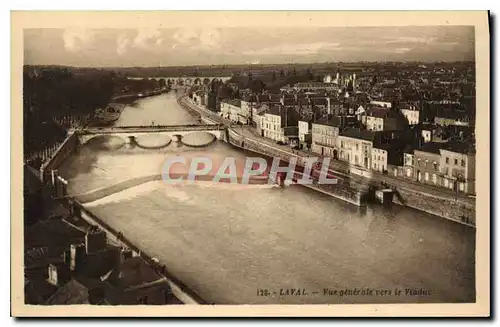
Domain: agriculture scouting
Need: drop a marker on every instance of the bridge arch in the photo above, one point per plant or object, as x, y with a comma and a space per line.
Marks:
104, 141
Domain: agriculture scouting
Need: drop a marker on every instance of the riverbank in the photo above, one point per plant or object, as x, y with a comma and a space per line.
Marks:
191, 111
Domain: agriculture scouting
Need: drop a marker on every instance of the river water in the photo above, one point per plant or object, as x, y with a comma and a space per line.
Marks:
233, 244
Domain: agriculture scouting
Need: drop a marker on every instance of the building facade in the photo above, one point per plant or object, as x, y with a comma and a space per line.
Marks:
412, 114
426, 167
458, 170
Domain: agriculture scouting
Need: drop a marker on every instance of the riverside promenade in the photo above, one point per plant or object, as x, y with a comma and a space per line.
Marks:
427, 198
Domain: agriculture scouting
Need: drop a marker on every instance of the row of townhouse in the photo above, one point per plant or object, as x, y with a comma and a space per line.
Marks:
238, 111
451, 166
445, 164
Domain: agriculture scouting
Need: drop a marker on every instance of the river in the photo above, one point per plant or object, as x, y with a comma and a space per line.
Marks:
232, 244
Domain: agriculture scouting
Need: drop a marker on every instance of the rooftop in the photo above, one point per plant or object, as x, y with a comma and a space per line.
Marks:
135, 271
71, 293
359, 134
52, 233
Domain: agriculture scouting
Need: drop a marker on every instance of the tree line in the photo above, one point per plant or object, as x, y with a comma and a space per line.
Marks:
56, 98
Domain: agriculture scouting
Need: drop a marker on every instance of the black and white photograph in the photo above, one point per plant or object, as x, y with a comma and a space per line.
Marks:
306, 163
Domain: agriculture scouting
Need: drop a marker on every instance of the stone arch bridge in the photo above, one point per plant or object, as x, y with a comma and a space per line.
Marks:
129, 133
186, 80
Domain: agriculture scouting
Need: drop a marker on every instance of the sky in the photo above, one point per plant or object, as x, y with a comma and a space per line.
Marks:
240, 45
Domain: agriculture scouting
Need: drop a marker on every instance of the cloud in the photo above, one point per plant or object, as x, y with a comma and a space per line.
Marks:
148, 38
77, 39
402, 50
297, 49
412, 39
197, 38
122, 44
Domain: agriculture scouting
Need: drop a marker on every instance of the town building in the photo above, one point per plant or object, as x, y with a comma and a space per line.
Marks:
408, 164
305, 133
200, 97
412, 114
355, 147
458, 168
324, 134
232, 109
276, 119
426, 164
311, 86
448, 117
382, 119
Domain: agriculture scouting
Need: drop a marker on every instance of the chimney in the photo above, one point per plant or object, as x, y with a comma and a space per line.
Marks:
76, 257
58, 274
125, 253
95, 240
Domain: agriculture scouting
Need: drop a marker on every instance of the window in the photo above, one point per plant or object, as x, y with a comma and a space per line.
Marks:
462, 187
408, 172
357, 146
434, 178
435, 165
379, 127
426, 162
463, 163
426, 176
447, 160
456, 161
446, 182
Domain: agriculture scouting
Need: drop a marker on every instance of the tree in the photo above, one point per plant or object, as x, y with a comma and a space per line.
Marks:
257, 86
162, 82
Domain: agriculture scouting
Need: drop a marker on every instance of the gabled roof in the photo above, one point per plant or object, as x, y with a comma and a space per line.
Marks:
71, 293
430, 147
31, 179
133, 272
359, 134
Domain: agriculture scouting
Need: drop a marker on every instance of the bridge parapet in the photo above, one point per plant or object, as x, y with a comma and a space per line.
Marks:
126, 132
152, 128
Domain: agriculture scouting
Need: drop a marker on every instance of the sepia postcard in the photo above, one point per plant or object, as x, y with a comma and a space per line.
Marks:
250, 163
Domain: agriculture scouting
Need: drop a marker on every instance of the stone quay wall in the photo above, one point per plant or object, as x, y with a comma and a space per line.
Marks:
444, 206
69, 145
449, 208
338, 191
181, 291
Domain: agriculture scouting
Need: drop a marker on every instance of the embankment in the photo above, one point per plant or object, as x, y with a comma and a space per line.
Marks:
179, 289
338, 191
443, 206
69, 145
449, 208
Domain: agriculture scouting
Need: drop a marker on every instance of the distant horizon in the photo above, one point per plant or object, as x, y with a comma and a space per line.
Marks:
255, 65
199, 46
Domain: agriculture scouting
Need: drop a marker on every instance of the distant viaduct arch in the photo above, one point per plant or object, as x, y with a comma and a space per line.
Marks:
186, 80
